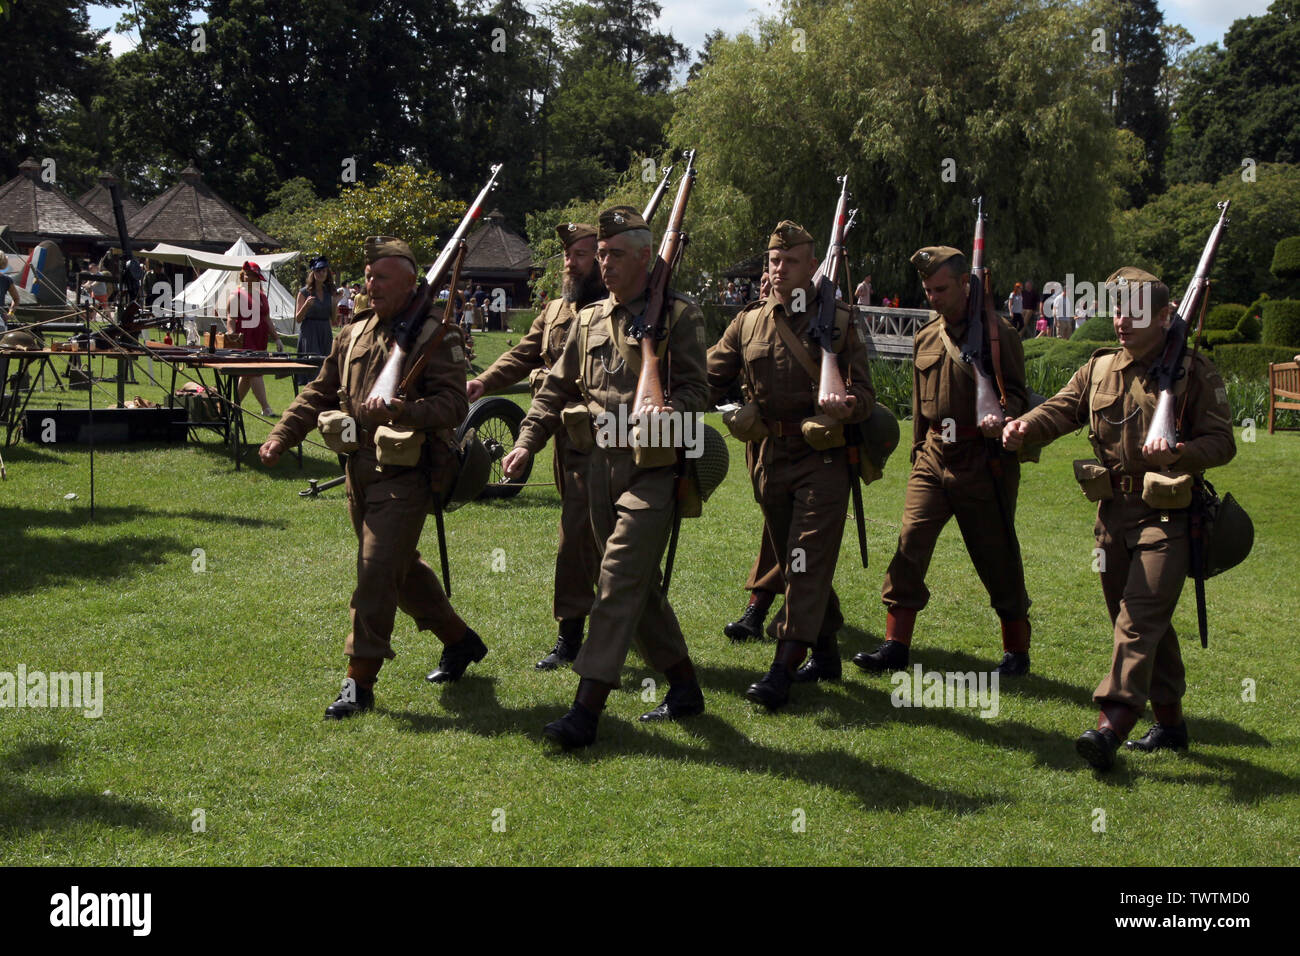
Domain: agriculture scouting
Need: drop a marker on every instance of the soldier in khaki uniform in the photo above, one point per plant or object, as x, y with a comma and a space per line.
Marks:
577, 562
388, 506
803, 491
1144, 546
957, 470
631, 506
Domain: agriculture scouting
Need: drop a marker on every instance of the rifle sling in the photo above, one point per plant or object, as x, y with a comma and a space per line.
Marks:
801, 354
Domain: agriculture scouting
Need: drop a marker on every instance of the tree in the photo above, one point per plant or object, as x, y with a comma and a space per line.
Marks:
1167, 235
404, 202
1242, 101
1140, 65
933, 105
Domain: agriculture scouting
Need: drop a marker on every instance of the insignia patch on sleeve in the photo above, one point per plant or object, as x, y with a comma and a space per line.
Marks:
457, 354
699, 335
1221, 394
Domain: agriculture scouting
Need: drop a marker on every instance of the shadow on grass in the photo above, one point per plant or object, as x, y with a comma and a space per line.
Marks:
24, 808
28, 562
476, 710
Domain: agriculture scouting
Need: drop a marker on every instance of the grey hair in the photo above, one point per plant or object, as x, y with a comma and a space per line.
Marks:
638, 239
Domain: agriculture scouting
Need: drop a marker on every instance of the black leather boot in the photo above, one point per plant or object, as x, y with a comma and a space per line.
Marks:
352, 700
889, 656
1098, 747
1014, 664
823, 664
577, 728
684, 699
773, 691
749, 627
1160, 737
566, 647
457, 657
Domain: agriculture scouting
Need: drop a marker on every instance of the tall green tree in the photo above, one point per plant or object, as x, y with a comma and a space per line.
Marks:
1140, 62
1241, 101
925, 106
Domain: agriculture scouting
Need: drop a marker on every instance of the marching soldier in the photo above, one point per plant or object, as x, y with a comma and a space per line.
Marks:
1143, 492
577, 562
388, 506
956, 471
803, 488
631, 506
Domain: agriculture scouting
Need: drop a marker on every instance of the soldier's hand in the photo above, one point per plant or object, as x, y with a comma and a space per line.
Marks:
270, 452
1160, 454
513, 465
991, 425
839, 407
380, 413
473, 390
1013, 434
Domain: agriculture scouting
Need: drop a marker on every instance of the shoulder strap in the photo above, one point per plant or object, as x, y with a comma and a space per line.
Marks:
954, 353
801, 354
548, 322
356, 329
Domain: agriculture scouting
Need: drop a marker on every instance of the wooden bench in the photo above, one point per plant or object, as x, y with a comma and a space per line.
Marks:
1283, 389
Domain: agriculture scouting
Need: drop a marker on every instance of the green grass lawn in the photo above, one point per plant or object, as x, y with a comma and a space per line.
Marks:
215, 683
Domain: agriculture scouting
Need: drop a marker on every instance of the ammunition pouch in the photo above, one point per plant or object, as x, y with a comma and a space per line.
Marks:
658, 455
535, 379
578, 426
339, 431
745, 423
1166, 492
1094, 479
398, 447
823, 432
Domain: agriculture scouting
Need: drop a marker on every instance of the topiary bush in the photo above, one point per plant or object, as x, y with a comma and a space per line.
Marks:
1214, 337
1224, 316
1100, 328
1282, 322
1249, 361
1249, 327
1286, 258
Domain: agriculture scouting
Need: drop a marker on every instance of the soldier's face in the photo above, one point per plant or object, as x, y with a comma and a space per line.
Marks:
1137, 333
622, 267
389, 282
947, 293
790, 269
580, 259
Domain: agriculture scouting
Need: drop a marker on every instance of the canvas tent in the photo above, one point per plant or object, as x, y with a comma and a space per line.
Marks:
206, 295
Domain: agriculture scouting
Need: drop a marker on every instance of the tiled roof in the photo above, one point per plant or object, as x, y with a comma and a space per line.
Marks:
98, 200
493, 247
191, 213
29, 205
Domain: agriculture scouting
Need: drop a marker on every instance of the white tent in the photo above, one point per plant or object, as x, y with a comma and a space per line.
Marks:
206, 296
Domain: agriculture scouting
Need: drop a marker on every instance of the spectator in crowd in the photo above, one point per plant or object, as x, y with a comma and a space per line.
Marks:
1059, 305
345, 306
862, 295
248, 313
1080, 316
359, 298
317, 302
1031, 306
1015, 309
1041, 327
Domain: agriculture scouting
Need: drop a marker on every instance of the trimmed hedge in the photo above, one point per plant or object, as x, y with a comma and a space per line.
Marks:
1282, 322
1249, 327
1213, 337
1100, 328
1249, 361
1224, 316
1070, 353
1286, 258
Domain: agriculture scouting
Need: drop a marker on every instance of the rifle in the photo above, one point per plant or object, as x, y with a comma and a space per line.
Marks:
822, 327
1165, 373
650, 326
1168, 369
406, 327
983, 349
657, 196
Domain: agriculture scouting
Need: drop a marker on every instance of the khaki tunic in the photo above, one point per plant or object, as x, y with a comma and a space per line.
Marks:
631, 508
1145, 551
803, 492
953, 478
388, 507
577, 560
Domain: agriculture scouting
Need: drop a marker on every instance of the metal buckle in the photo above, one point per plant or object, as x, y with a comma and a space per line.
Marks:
1126, 484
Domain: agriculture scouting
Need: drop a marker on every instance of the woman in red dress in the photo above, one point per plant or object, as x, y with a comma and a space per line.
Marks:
248, 312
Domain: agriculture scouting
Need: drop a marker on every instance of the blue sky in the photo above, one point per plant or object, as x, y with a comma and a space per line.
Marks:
691, 20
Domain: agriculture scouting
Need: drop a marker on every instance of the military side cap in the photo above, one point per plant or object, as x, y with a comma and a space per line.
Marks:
571, 232
382, 247
929, 259
787, 235
1130, 274
618, 219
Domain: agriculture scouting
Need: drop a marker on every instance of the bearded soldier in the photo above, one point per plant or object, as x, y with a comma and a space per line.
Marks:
631, 505
388, 504
577, 561
1143, 491
957, 471
798, 462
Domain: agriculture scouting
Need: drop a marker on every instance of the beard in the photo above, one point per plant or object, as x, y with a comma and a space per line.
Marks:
587, 289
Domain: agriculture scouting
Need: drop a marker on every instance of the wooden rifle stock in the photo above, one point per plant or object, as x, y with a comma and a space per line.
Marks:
1166, 372
421, 360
